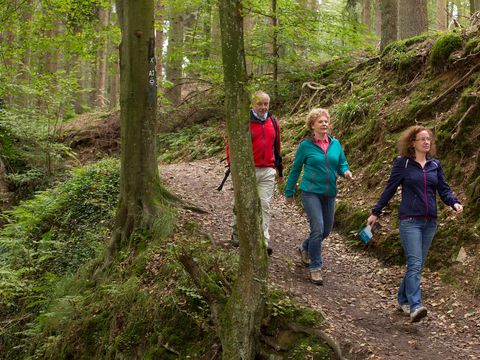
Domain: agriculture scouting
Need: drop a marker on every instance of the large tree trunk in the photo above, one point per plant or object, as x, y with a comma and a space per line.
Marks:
139, 180
173, 69
412, 18
389, 22
241, 317
442, 15
378, 17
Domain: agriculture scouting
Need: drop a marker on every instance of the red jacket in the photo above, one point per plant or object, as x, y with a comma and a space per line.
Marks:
265, 143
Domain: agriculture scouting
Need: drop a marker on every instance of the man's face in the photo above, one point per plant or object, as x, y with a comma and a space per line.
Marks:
261, 105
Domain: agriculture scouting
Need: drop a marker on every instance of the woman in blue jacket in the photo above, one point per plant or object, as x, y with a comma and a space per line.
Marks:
322, 159
421, 177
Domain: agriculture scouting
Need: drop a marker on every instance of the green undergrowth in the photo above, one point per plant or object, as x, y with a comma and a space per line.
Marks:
55, 303
199, 141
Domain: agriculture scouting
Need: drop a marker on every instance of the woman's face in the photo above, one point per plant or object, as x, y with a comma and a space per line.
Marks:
422, 142
321, 125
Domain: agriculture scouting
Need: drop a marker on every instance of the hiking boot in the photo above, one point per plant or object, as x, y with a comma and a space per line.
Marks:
316, 277
418, 314
234, 241
405, 308
304, 256
269, 251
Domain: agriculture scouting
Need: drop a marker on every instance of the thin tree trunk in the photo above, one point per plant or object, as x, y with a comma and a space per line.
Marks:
442, 15
367, 15
101, 86
139, 179
378, 17
412, 18
159, 38
173, 69
389, 22
241, 318
275, 48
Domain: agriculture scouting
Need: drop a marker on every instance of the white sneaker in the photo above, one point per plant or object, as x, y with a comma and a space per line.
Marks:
405, 308
418, 314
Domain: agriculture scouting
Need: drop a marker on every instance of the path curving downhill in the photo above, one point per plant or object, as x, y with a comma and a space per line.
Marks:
359, 293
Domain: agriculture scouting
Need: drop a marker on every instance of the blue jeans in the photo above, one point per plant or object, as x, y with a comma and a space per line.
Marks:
416, 236
320, 212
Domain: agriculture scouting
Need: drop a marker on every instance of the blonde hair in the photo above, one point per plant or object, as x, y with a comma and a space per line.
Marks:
404, 144
314, 115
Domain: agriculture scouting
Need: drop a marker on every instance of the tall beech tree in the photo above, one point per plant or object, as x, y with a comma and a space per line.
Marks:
140, 189
240, 320
412, 18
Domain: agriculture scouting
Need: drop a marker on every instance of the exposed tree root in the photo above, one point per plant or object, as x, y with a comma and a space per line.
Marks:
457, 129
440, 97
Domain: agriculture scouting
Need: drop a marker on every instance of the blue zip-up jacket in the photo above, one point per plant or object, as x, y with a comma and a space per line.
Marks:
320, 168
419, 188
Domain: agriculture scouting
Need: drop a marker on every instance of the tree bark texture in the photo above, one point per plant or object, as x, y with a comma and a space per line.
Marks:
241, 317
389, 22
442, 15
159, 38
173, 69
378, 17
412, 18
139, 179
474, 6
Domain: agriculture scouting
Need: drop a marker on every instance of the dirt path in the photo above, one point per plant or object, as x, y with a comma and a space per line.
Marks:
359, 293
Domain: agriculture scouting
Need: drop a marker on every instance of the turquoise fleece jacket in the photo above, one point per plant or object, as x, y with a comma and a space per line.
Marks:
320, 168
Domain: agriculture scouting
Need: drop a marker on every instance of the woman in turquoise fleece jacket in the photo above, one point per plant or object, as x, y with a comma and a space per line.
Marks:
322, 159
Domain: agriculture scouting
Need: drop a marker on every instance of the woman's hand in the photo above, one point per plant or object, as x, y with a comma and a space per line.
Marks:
348, 175
458, 207
372, 219
289, 201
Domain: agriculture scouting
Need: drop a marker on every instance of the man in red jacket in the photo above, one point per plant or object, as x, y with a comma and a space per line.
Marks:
266, 156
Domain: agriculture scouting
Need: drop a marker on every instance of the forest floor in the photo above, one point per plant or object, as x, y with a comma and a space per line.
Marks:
358, 297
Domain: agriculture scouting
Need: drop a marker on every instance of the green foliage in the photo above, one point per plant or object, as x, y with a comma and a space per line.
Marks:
443, 47
56, 232
199, 141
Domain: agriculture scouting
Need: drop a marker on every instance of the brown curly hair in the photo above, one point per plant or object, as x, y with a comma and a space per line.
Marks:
405, 147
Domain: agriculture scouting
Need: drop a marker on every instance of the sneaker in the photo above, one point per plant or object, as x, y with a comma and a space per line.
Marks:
316, 277
304, 256
234, 241
269, 251
405, 308
418, 314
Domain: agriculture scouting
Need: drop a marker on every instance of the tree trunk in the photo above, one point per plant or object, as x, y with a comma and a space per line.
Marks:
389, 22
101, 86
173, 69
412, 18
378, 17
442, 15
241, 318
367, 15
159, 39
275, 49
474, 6
139, 180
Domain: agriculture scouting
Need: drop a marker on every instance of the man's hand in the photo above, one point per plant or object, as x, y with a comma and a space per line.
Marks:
348, 175
289, 201
280, 179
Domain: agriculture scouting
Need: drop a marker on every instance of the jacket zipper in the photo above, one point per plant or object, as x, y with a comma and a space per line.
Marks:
264, 144
328, 170
425, 191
